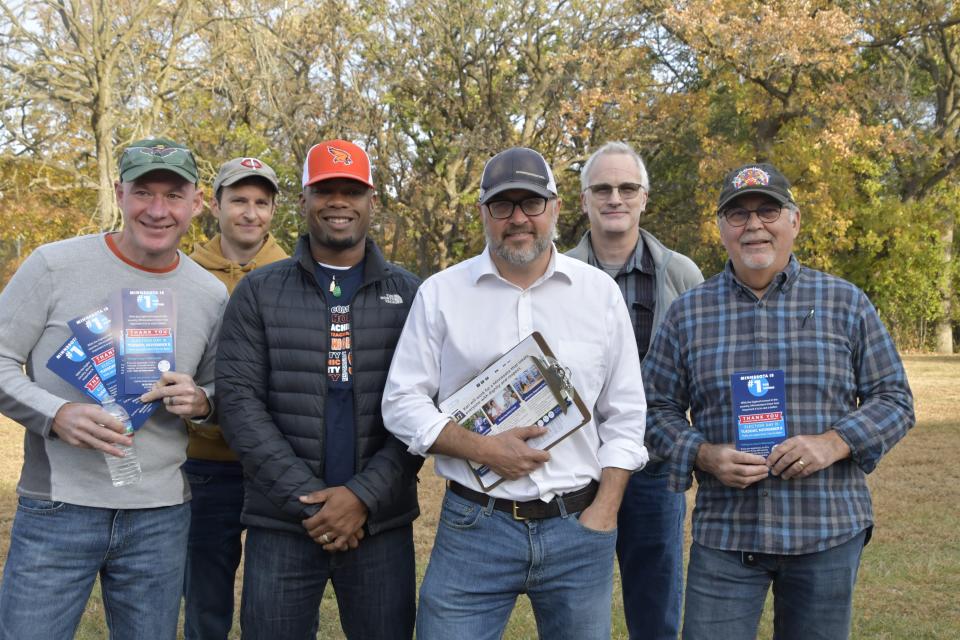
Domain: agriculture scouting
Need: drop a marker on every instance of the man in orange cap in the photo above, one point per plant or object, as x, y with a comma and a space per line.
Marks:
330, 494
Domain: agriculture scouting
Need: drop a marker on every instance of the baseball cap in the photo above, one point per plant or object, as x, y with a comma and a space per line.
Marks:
157, 154
755, 178
337, 159
517, 168
239, 168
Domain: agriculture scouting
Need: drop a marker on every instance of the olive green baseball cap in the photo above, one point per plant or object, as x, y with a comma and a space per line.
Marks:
157, 154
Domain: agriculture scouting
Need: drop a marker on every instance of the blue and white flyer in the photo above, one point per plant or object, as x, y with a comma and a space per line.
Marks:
93, 333
148, 318
72, 364
759, 410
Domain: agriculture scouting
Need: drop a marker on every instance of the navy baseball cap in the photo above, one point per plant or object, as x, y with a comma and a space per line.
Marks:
755, 178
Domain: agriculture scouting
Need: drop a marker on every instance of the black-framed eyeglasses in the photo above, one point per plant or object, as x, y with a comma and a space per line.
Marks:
627, 190
737, 217
503, 209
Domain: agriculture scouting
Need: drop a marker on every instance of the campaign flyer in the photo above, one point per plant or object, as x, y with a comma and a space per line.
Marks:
148, 338
759, 410
93, 332
72, 364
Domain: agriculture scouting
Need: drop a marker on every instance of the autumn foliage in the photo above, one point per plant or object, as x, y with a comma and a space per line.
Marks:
857, 102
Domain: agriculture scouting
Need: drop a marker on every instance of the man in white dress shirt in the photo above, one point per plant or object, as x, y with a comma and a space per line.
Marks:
549, 529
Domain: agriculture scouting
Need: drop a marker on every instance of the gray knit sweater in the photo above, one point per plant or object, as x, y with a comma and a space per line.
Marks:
61, 281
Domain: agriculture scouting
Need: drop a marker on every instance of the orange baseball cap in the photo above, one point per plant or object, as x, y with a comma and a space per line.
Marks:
337, 159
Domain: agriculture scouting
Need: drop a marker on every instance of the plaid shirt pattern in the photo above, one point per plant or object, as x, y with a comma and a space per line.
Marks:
637, 282
842, 372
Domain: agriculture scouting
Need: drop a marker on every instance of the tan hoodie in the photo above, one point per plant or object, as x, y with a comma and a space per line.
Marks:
206, 440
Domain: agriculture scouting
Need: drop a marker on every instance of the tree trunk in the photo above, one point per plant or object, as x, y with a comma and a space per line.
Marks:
108, 212
944, 329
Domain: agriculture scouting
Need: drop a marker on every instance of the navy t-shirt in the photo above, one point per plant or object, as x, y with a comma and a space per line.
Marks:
339, 440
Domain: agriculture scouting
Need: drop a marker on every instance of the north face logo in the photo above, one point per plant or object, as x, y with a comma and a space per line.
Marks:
392, 298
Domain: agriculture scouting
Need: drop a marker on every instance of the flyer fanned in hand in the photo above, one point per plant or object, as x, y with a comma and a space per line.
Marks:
525, 386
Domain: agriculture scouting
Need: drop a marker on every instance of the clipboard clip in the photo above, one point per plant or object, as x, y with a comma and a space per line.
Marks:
557, 378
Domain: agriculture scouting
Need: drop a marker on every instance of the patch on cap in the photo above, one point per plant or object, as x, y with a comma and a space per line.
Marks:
339, 156
751, 177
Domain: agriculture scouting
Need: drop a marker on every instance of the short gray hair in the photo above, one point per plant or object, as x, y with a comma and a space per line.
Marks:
609, 149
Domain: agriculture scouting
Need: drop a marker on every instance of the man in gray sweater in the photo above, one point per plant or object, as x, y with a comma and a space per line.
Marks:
71, 523
615, 186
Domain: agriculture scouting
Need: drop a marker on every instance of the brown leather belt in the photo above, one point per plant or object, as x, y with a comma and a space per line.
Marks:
532, 509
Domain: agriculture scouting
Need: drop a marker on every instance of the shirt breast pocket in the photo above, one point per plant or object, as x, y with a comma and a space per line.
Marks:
586, 363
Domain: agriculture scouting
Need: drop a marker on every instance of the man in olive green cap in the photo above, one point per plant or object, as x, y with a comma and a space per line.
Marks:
72, 524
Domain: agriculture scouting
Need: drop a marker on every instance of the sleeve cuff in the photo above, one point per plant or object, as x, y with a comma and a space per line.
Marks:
207, 391
425, 438
622, 454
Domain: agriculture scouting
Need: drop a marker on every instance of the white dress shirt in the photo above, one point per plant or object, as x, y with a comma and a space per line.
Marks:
466, 316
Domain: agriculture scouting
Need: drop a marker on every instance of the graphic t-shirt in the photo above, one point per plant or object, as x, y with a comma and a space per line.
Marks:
339, 439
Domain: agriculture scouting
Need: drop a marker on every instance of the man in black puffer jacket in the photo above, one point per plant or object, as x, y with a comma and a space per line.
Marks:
304, 351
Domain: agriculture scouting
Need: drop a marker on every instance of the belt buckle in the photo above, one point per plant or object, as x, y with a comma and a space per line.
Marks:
516, 515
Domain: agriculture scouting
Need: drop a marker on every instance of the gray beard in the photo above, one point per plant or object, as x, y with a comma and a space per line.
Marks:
540, 244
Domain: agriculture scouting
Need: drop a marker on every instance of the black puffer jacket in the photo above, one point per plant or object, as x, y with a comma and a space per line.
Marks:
271, 385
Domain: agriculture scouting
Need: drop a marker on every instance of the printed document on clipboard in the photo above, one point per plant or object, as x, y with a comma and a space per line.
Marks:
525, 386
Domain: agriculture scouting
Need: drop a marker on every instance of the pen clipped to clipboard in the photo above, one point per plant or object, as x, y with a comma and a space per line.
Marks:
525, 386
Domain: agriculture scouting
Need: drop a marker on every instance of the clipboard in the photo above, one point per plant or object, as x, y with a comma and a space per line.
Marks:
525, 386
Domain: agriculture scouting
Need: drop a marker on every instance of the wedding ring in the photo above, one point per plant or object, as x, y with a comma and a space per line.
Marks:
801, 462
325, 539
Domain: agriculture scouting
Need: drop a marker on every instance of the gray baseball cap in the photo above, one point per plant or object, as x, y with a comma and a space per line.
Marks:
517, 168
239, 168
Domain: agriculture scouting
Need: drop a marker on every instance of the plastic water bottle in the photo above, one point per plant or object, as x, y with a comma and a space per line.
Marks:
126, 470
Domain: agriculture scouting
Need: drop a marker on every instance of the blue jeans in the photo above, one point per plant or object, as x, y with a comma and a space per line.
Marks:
213, 549
483, 559
812, 593
650, 551
58, 549
285, 574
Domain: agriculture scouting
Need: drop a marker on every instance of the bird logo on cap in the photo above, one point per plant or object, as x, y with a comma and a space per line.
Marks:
340, 156
159, 150
751, 177
252, 163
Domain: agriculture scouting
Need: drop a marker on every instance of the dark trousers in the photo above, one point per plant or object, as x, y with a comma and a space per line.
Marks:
213, 549
285, 575
650, 552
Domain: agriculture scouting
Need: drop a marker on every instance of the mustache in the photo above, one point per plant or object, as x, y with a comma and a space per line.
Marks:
518, 228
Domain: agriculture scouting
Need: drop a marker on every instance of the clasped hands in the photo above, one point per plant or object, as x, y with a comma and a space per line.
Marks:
338, 526
796, 457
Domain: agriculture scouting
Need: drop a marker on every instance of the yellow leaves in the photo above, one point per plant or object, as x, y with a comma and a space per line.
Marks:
766, 39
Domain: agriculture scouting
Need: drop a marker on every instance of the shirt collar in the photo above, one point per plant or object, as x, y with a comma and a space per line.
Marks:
483, 267
639, 260
783, 280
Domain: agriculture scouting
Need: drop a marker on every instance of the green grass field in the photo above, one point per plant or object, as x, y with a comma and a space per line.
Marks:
910, 576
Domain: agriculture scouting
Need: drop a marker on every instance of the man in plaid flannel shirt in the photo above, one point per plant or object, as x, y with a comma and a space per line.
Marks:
799, 517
